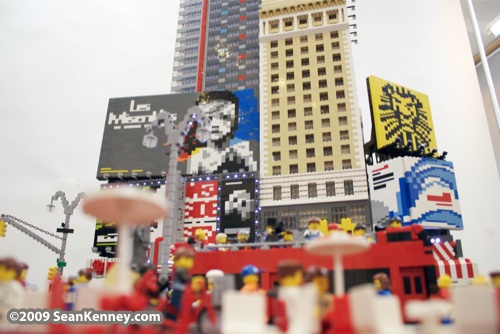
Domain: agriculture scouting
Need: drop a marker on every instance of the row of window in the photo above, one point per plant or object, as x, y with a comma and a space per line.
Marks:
303, 21
308, 111
289, 64
311, 152
308, 125
307, 98
305, 39
326, 136
311, 167
312, 190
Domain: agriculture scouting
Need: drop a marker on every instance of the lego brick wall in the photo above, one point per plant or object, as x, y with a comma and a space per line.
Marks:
400, 112
233, 145
417, 190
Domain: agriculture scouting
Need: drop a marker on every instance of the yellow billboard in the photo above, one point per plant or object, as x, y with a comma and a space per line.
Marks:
400, 112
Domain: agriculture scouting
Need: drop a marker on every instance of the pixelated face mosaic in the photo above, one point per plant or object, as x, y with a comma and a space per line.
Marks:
400, 112
233, 144
416, 190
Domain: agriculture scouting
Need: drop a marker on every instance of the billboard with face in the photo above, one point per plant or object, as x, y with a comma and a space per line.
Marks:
416, 190
233, 144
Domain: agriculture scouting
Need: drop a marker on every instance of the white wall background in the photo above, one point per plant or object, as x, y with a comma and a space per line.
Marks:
61, 60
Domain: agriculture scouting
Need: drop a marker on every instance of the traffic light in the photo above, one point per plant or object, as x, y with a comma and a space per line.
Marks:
3, 228
52, 273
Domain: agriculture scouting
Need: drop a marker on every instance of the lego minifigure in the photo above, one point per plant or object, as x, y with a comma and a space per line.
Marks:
250, 276
359, 231
444, 284
319, 277
243, 237
22, 270
70, 295
211, 277
313, 232
287, 236
396, 223
183, 262
270, 234
84, 276
221, 239
198, 287
201, 238
11, 291
382, 284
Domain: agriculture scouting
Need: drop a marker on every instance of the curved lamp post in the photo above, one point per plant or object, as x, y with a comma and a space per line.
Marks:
176, 135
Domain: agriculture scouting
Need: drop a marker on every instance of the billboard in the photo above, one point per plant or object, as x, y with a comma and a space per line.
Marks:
232, 147
416, 190
201, 208
400, 113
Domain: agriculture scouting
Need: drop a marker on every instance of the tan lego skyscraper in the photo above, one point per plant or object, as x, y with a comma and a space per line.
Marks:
312, 160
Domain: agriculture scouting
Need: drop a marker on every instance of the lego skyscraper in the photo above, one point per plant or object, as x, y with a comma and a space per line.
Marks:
312, 160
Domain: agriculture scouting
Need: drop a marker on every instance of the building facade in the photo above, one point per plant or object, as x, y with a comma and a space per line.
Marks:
217, 46
311, 153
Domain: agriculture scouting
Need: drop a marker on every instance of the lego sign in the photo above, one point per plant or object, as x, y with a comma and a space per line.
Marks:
417, 190
201, 208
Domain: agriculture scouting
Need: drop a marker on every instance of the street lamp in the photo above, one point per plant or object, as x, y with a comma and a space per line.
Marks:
65, 230
176, 135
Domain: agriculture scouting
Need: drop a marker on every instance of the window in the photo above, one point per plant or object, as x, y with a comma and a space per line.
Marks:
323, 96
310, 153
306, 86
339, 82
294, 191
346, 164
289, 64
336, 57
325, 110
290, 88
275, 90
308, 111
323, 84
340, 94
318, 19
276, 128
303, 39
274, 78
342, 120
334, 34
274, 66
304, 50
292, 126
292, 140
318, 37
274, 54
335, 45
344, 135
312, 190
306, 74
345, 149
291, 100
307, 98
276, 170
291, 113
293, 154
337, 69
288, 41
308, 125
330, 188
275, 102
274, 26
325, 123
327, 151
348, 187
320, 59
290, 76
305, 61
320, 48
309, 139
289, 52
274, 44
341, 107
275, 115
277, 193
294, 169
276, 156
327, 137
276, 142
332, 16
303, 22
289, 23
328, 166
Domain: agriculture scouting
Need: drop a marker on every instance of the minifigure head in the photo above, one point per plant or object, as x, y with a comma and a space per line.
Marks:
313, 223
250, 274
211, 275
198, 283
495, 279
319, 277
359, 230
396, 223
333, 227
243, 236
22, 270
382, 282
200, 235
221, 238
480, 280
444, 281
72, 280
184, 258
8, 269
84, 276
269, 229
290, 273
288, 236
